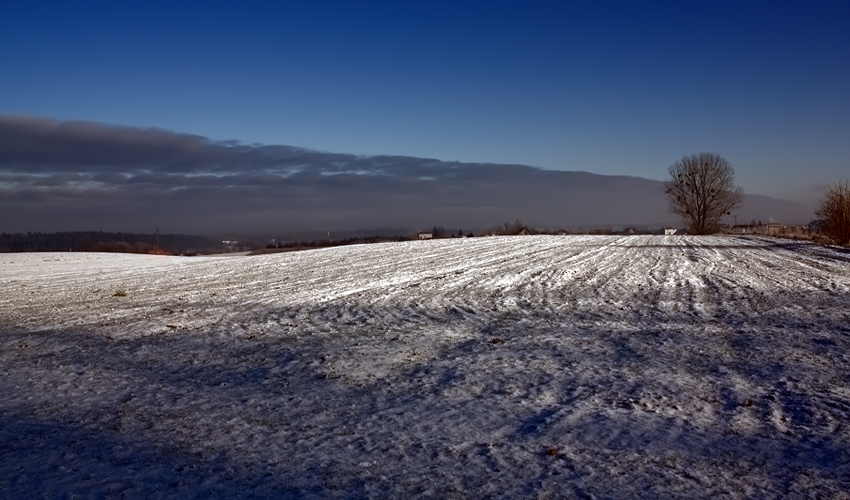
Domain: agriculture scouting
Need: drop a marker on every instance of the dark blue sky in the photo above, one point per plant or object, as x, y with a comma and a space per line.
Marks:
605, 87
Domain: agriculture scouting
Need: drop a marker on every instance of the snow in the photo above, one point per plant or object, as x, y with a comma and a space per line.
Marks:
507, 367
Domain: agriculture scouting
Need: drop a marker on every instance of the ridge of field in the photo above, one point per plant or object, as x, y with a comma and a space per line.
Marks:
529, 366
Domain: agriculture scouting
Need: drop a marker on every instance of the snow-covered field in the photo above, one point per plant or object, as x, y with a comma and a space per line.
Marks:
510, 367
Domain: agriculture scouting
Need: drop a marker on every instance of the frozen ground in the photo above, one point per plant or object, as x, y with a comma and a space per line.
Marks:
671, 367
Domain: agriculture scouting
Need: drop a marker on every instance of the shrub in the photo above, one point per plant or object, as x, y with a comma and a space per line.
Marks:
834, 209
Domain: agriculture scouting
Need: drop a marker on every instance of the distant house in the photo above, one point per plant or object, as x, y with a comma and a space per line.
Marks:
524, 232
669, 231
424, 235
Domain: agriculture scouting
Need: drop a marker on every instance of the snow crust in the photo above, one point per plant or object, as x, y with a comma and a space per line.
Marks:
508, 367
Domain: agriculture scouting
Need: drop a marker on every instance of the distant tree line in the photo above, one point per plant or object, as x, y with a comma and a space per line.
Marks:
100, 241
325, 243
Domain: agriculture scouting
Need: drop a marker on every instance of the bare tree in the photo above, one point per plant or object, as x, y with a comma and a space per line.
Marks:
701, 189
834, 209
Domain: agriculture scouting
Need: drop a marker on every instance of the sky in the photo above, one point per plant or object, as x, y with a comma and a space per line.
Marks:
613, 88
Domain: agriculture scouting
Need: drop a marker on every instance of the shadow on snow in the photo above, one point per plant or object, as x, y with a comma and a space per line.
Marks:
651, 411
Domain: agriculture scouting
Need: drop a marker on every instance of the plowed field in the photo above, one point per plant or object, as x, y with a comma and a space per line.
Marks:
508, 367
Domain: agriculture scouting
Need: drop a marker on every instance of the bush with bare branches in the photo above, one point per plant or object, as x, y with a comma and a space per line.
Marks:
834, 209
701, 189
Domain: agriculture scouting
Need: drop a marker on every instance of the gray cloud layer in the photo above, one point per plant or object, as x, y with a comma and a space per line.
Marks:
81, 175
